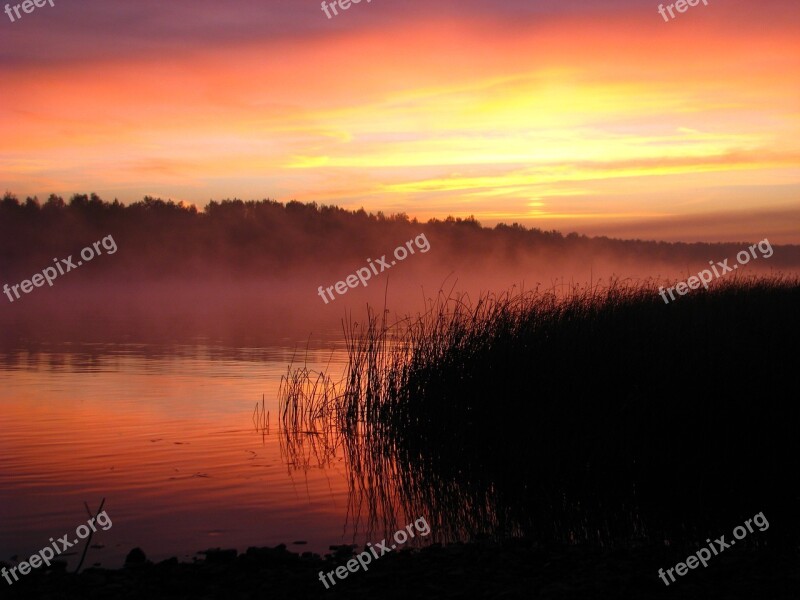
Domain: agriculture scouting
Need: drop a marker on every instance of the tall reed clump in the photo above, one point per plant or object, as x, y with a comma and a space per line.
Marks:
308, 414
601, 415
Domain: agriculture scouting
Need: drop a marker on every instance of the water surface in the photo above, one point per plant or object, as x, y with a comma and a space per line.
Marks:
165, 433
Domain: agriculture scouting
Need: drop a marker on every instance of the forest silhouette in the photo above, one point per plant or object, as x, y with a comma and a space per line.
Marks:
165, 239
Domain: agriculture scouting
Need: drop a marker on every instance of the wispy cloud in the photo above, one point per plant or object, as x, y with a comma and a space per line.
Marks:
578, 112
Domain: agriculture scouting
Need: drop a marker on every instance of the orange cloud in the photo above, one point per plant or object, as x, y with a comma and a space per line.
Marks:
554, 120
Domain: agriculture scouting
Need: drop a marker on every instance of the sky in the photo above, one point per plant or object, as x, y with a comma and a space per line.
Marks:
596, 116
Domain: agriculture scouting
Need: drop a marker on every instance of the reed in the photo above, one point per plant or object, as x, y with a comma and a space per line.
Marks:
596, 414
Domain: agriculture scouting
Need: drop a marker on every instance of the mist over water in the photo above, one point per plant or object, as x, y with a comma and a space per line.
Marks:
235, 306
135, 376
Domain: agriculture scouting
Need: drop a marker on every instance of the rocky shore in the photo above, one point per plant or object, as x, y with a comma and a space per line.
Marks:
509, 570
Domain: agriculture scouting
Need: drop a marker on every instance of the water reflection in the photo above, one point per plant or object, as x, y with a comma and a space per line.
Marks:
164, 432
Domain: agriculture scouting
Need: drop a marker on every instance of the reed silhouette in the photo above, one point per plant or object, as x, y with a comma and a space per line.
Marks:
600, 416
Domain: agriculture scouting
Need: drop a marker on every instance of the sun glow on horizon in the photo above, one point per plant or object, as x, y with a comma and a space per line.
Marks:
452, 117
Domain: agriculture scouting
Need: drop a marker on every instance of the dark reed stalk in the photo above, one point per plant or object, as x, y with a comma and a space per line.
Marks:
91, 532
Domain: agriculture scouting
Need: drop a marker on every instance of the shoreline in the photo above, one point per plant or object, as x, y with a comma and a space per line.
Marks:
515, 568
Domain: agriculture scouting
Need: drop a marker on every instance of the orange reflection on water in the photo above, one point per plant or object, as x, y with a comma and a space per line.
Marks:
169, 442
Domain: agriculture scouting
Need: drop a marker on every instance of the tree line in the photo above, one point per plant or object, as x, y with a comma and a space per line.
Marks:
162, 238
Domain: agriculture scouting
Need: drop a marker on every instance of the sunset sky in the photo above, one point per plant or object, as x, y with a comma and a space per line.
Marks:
590, 116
